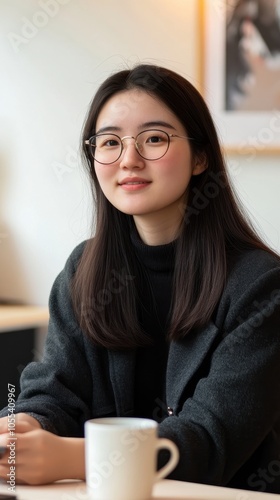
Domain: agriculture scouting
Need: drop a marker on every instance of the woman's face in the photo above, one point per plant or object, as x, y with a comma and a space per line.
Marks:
150, 190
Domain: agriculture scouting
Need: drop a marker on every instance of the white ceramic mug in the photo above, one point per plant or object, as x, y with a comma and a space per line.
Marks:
121, 458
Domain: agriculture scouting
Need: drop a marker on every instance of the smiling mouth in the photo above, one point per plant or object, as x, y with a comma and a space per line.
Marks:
135, 182
134, 185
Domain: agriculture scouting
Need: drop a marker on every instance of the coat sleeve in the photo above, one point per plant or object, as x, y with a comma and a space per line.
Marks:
57, 389
232, 410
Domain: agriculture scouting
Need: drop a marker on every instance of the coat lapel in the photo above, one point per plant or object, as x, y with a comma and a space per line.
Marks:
122, 367
184, 360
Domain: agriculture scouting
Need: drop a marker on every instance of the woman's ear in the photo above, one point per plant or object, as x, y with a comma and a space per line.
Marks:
200, 163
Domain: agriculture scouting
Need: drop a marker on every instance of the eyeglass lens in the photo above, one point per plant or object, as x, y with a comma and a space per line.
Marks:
150, 144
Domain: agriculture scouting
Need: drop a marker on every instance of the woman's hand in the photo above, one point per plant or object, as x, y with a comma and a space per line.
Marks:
40, 456
23, 423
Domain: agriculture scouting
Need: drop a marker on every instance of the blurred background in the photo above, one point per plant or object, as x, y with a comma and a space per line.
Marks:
54, 54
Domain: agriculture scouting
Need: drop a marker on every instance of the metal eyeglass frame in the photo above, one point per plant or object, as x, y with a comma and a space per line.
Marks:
169, 136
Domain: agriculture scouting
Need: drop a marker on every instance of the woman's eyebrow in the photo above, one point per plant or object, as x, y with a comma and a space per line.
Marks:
154, 123
109, 128
157, 123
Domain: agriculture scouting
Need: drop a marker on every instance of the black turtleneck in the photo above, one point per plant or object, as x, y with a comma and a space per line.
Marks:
157, 266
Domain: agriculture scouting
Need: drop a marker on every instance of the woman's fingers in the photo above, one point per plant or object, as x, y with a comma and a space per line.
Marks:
37, 457
20, 422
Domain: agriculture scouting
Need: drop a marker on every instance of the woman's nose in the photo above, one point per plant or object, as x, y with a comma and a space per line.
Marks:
130, 157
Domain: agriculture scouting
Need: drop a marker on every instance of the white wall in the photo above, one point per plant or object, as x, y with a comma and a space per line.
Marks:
257, 182
54, 54
51, 65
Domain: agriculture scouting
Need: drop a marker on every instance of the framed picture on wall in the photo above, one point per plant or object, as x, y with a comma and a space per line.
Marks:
240, 46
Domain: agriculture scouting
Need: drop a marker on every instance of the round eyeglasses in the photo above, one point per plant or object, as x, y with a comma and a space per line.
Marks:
150, 144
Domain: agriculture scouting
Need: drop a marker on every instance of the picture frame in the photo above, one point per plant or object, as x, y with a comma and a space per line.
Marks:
242, 131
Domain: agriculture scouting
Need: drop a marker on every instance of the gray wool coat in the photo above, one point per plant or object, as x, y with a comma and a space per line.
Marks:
222, 382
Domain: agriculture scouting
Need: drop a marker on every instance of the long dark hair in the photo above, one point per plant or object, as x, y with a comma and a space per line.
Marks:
214, 230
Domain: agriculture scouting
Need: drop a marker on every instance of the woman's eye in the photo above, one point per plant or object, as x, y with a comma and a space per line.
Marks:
108, 143
111, 142
155, 139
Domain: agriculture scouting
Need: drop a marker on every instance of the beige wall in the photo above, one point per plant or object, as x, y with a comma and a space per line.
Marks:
53, 56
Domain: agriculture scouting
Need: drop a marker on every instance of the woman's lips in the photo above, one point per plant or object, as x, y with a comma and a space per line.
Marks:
133, 184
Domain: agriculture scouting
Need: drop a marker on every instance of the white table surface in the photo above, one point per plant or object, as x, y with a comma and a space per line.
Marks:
163, 490
22, 317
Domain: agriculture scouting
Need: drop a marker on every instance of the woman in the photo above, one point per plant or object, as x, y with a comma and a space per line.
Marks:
170, 312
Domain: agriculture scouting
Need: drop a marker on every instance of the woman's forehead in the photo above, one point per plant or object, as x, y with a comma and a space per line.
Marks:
133, 106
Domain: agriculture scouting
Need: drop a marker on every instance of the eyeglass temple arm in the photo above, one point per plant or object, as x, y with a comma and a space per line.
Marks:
181, 136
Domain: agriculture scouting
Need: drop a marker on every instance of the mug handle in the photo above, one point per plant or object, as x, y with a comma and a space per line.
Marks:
173, 460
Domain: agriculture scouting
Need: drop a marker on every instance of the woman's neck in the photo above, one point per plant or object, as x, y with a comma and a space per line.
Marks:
157, 231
